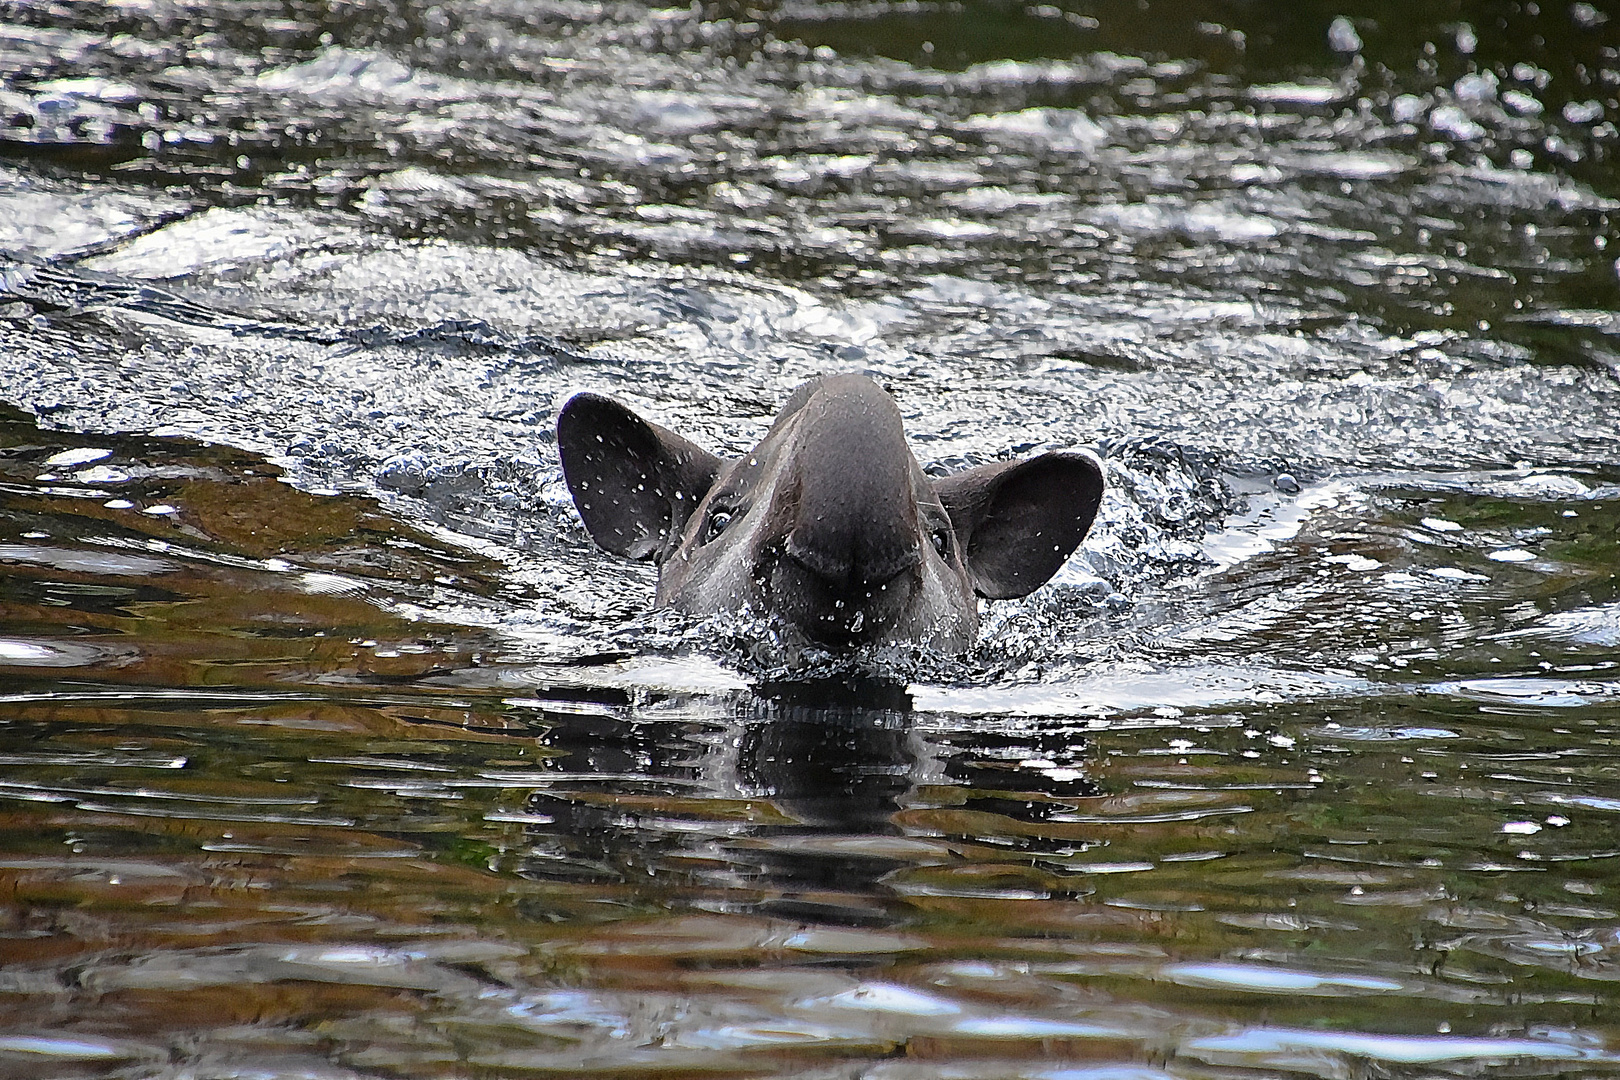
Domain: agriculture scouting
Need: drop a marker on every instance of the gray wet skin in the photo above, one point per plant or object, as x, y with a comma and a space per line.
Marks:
829, 522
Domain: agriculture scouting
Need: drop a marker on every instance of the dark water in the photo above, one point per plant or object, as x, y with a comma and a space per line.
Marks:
330, 747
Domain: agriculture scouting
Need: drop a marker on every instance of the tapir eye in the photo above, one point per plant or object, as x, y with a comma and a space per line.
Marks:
718, 520
941, 538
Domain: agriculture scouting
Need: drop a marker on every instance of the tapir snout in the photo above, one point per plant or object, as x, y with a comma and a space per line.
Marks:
829, 522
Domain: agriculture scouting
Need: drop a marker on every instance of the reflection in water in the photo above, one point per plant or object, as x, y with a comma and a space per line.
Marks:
415, 871
837, 758
690, 883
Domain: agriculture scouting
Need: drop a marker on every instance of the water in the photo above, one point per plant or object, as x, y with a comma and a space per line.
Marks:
330, 746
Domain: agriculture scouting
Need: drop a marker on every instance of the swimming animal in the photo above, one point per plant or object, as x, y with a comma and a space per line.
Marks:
829, 523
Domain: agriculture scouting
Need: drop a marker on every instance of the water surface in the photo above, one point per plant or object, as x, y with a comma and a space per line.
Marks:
330, 746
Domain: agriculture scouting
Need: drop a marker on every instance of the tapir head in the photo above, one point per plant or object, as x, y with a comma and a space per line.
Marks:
828, 522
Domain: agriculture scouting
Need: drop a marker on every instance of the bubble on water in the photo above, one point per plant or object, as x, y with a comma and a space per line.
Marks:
1522, 103
1587, 16
1342, 36
1453, 121
1583, 112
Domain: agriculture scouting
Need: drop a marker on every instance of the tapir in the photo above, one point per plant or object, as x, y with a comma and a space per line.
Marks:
829, 523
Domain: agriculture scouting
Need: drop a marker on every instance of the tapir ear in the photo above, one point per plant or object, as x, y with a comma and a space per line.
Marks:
634, 483
1016, 521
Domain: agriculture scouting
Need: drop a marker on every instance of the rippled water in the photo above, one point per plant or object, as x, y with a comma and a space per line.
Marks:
330, 746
